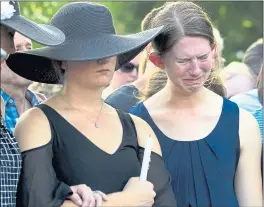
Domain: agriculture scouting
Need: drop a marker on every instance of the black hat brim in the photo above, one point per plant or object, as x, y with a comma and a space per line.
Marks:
41, 33
36, 65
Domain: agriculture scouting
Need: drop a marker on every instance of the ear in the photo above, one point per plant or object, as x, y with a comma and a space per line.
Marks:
156, 60
149, 48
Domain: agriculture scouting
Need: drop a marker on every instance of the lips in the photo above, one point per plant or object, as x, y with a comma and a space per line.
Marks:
103, 70
193, 79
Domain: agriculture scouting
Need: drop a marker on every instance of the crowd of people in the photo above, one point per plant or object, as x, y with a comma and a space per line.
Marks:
77, 112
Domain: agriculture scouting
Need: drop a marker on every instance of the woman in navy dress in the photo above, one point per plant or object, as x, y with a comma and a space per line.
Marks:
211, 147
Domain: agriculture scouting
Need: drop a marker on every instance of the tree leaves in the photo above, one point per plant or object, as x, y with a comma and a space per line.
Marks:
240, 23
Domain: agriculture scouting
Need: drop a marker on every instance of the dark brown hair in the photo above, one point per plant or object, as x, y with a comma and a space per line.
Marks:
145, 25
154, 85
181, 19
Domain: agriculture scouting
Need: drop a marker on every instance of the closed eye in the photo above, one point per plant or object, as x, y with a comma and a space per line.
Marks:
182, 61
203, 57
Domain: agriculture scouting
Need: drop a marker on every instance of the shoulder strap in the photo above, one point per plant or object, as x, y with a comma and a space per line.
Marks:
49, 114
130, 133
127, 121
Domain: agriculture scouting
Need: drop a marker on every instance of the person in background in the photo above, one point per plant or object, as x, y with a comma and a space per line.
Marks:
211, 148
258, 113
12, 22
47, 90
237, 78
14, 88
240, 78
127, 74
253, 57
74, 138
129, 95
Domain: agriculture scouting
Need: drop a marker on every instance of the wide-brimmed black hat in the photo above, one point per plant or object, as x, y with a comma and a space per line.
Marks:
90, 35
41, 33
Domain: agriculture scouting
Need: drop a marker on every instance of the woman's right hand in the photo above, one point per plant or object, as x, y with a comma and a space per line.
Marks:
142, 191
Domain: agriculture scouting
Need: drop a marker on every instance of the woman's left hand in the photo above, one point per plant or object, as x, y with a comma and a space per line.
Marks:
83, 196
99, 198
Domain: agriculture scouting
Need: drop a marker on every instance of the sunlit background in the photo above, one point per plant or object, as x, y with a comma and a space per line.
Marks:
240, 23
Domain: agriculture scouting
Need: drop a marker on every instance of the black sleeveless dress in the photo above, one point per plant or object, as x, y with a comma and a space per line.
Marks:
71, 159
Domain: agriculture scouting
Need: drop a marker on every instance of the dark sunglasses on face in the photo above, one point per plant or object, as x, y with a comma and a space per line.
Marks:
129, 67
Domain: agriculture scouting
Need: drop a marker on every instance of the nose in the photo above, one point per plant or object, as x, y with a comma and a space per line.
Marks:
195, 69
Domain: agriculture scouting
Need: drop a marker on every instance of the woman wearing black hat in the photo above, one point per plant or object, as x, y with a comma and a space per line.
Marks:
74, 137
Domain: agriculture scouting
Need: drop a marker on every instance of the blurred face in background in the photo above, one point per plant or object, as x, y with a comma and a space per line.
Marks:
127, 74
7, 40
21, 43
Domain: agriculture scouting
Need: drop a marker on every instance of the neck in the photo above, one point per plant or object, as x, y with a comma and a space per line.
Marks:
79, 97
141, 82
18, 93
173, 97
107, 91
113, 85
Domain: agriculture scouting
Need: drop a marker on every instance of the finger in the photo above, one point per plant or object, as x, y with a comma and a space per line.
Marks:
92, 201
86, 194
98, 200
103, 195
76, 199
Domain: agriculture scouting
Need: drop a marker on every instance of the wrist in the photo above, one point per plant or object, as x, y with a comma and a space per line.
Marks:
118, 199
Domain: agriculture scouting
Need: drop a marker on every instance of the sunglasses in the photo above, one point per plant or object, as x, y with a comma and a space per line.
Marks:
129, 67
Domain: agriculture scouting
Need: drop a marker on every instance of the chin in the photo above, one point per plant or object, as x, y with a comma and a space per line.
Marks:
103, 84
194, 88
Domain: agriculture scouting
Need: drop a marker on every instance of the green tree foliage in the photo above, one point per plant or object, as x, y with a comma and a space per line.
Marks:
240, 23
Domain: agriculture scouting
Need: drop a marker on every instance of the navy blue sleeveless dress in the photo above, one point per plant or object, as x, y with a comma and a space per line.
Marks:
202, 171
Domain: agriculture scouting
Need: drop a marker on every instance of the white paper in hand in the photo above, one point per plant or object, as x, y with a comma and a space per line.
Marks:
146, 159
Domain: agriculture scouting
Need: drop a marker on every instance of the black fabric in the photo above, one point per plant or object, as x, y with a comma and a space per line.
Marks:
123, 98
161, 179
38, 184
71, 159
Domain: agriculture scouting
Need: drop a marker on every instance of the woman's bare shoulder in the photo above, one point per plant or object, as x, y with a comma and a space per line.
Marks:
32, 130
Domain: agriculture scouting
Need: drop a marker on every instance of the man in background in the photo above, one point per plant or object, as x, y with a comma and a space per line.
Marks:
14, 88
